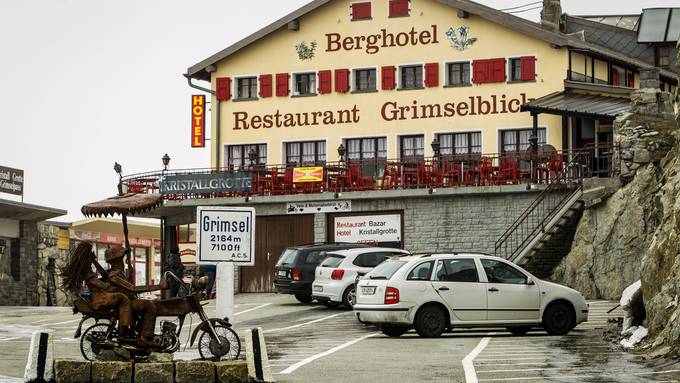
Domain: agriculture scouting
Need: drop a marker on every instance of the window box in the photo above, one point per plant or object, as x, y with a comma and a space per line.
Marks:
246, 88
237, 155
522, 69
305, 153
458, 74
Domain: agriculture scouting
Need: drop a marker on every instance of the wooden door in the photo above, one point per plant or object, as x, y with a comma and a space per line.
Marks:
272, 235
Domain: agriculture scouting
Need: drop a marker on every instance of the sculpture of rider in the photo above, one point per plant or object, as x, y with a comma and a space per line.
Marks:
116, 291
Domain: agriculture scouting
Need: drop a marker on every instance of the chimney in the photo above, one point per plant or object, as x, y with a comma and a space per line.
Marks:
551, 15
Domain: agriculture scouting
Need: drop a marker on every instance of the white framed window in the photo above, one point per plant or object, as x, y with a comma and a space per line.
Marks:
304, 84
458, 73
411, 76
246, 88
364, 79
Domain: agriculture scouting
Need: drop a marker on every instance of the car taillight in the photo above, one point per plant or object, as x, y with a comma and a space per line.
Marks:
295, 274
337, 274
391, 296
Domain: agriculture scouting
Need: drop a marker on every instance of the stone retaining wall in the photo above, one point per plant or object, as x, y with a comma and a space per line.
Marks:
194, 371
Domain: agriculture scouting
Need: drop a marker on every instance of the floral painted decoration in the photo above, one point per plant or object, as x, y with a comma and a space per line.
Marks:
305, 52
459, 38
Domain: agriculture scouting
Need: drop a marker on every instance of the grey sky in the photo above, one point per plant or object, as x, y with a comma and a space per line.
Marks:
85, 83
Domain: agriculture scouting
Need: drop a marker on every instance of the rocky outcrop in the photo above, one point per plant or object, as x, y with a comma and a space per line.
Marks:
635, 233
611, 239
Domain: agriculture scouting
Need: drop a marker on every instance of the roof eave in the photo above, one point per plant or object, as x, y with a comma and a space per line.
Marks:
198, 72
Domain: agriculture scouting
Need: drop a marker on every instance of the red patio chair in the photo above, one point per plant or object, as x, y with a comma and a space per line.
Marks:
508, 171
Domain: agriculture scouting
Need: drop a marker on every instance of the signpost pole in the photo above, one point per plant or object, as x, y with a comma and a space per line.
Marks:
224, 305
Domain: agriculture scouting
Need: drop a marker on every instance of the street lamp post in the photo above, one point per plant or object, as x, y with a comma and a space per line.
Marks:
119, 169
341, 153
166, 162
252, 156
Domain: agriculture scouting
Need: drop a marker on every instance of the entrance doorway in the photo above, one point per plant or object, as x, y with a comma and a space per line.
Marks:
272, 235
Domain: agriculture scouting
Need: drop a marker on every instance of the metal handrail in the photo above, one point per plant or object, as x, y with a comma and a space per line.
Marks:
517, 228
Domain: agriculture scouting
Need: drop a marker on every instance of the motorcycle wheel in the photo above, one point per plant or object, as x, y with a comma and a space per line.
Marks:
88, 348
209, 349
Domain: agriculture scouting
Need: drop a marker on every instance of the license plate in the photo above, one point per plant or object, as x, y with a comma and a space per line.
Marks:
318, 288
367, 290
282, 273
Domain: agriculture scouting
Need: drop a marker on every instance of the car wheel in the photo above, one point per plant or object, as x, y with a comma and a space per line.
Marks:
558, 319
394, 331
303, 298
330, 304
519, 330
430, 322
349, 298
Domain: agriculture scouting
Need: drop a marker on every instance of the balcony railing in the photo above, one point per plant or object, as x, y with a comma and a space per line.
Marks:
445, 171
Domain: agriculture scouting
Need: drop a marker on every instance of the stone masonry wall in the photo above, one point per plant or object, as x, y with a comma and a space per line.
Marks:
23, 291
438, 223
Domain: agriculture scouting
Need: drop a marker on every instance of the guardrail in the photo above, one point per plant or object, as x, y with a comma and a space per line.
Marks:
443, 171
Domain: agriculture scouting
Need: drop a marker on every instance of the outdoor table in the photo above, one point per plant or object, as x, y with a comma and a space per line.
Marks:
332, 174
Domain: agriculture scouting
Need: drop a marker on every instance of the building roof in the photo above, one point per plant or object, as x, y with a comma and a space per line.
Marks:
27, 212
620, 39
198, 71
659, 25
586, 105
629, 22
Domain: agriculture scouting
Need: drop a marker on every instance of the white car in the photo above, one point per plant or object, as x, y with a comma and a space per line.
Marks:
334, 278
433, 293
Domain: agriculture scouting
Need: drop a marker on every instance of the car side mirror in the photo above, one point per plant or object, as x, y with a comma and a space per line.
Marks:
530, 282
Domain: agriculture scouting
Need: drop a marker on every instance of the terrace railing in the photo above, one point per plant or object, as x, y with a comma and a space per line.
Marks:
444, 171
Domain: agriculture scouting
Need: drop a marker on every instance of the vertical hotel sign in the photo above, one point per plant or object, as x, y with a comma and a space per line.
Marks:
197, 121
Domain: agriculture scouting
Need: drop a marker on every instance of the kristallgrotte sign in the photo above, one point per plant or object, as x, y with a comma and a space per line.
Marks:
228, 182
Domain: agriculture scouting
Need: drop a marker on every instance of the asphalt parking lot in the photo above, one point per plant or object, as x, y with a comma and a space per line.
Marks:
312, 343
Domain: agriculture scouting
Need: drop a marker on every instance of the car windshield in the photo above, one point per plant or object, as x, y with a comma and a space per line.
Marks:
385, 270
333, 260
287, 258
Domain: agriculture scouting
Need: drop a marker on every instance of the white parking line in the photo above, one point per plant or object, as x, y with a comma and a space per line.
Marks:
64, 322
468, 366
325, 353
254, 308
579, 376
305, 323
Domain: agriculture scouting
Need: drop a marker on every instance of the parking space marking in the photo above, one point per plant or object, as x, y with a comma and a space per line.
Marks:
578, 376
468, 366
305, 323
254, 308
325, 353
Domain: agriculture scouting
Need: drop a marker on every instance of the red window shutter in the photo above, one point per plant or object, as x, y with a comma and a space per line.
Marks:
282, 88
498, 74
324, 81
388, 77
399, 8
342, 80
361, 10
528, 68
223, 88
631, 80
432, 74
480, 71
615, 76
265, 85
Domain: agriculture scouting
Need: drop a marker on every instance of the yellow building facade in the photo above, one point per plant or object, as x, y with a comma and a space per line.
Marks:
438, 50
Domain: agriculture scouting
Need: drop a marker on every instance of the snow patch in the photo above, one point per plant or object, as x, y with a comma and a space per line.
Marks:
637, 335
629, 298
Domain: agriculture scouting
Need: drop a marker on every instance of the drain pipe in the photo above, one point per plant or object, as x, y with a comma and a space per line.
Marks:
210, 69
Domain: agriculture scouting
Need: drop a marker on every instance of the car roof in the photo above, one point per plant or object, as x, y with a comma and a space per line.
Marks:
415, 257
332, 245
364, 250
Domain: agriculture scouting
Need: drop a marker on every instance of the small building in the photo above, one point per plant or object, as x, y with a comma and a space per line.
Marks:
21, 242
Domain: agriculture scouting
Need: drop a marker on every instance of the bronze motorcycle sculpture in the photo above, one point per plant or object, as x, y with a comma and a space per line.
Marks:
216, 338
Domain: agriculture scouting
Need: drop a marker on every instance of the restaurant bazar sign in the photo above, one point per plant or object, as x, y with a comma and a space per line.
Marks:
225, 182
389, 111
